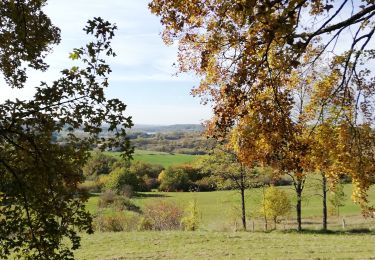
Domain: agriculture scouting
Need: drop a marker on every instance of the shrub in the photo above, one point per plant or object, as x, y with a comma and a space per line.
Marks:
107, 198
115, 223
150, 183
163, 215
142, 169
98, 164
101, 182
121, 203
127, 191
120, 177
174, 179
144, 224
191, 221
206, 184
276, 203
90, 186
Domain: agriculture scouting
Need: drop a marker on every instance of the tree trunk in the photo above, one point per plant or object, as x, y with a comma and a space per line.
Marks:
324, 186
243, 209
275, 222
243, 187
299, 188
264, 211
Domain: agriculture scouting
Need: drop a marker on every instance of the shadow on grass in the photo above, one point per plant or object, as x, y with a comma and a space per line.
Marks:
140, 195
354, 231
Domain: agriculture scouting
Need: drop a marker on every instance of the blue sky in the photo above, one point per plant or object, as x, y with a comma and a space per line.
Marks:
142, 72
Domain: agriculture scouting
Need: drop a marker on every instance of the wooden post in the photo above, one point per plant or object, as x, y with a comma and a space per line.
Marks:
343, 223
253, 226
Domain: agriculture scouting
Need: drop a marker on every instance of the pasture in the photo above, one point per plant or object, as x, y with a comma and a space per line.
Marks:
219, 210
218, 236
165, 159
226, 245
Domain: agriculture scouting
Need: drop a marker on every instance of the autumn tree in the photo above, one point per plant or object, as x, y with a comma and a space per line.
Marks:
238, 47
275, 204
41, 208
248, 54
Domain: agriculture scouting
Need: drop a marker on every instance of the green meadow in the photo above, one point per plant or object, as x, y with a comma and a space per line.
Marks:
226, 245
165, 159
219, 237
219, 210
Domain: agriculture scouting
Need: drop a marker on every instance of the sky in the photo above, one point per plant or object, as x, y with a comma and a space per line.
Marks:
143, 76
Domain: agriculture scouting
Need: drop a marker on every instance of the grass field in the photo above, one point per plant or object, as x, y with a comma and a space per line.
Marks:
226, 245
217, 239
165, 159
219, 210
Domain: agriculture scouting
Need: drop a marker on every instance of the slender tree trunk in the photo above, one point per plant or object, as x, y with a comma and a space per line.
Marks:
324, 186
264, 211
275, 221
243, 187
299, 187
243, 208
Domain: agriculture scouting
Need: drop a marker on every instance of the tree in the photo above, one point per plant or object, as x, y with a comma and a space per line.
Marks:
98, 164
275, 204
230, 172
240, 47
121, 177
248, 54
190, 222
174, 178
41, 206
148, 173
338, 197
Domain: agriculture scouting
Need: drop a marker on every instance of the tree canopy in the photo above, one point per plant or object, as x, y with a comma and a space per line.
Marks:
279, 72
40, 204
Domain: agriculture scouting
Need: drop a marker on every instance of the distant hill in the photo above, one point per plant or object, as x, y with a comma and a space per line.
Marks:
167, 128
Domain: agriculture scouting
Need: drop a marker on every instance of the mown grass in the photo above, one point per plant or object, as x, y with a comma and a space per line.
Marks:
226, 245
165, 159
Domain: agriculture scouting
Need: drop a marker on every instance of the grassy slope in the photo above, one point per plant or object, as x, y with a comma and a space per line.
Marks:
226, 245
218, 208
165, 159
217, 214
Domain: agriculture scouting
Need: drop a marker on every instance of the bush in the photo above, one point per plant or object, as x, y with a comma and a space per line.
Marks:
174, 179
120, 177
150, 183
120, 203
90, 186
115, 223
163, 215
206, 184
191, 221
101, 182
144, 224
276, 203
127, 191
106, 199
142, 169
98, 164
